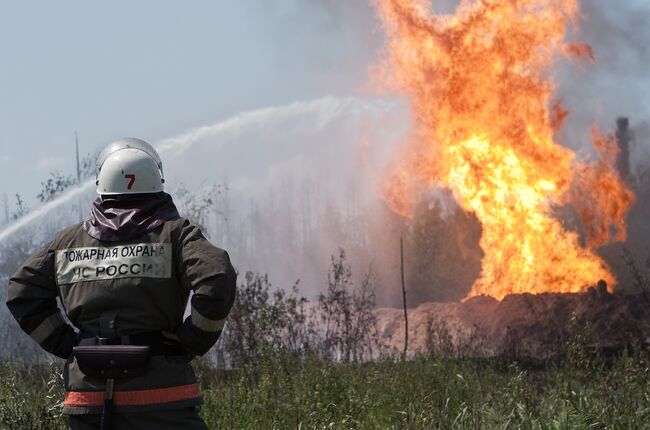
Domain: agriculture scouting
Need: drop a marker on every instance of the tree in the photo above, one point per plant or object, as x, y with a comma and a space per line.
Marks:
55, 185
87, 166
196, 205
5, 204
21, 208
347, 314
444, 257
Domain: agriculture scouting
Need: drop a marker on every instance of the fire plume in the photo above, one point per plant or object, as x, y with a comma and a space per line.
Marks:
480, 88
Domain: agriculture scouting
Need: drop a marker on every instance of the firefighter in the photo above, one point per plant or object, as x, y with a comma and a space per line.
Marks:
124, 276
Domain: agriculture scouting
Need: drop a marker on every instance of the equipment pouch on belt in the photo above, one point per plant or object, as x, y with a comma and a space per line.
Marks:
112, 361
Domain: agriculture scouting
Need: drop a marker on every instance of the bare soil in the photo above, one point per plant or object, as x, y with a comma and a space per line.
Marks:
523, 325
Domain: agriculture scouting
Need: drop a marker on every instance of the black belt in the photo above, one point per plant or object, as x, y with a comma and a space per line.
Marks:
159, 345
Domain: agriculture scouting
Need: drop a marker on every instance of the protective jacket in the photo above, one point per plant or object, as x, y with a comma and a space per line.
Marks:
128, 269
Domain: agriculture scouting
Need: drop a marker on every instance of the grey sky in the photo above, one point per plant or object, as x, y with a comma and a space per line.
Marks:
155, 68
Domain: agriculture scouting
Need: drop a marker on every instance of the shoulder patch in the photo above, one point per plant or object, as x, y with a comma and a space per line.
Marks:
142, 260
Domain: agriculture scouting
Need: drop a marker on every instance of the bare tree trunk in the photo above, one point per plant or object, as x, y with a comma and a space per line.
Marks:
5, 204
406, 318
79, 203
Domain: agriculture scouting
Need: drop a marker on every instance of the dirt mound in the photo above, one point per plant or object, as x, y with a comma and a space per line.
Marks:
525, 325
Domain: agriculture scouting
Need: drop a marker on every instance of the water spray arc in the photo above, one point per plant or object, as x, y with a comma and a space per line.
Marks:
45, 209
325, 110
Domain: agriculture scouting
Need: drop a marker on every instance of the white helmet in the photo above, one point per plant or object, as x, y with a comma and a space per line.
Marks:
129, 166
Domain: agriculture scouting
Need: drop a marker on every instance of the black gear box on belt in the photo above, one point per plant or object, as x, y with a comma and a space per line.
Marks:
112, 361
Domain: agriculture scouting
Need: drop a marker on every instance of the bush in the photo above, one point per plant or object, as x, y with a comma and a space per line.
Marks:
266, 324
290, 363
346, 314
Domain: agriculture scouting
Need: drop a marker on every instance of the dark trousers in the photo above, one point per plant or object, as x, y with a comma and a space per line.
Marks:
187, 418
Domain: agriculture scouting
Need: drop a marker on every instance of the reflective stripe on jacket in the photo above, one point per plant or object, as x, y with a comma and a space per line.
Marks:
113, 289
133, 397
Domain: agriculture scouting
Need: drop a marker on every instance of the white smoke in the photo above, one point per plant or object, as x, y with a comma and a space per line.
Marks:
268, 155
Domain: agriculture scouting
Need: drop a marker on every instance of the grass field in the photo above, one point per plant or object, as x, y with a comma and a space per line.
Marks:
424, 393
285, 373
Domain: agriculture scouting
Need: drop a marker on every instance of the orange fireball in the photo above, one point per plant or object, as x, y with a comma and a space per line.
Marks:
480, 89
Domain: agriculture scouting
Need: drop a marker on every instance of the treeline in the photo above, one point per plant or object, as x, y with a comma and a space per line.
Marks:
289, 228
289, 231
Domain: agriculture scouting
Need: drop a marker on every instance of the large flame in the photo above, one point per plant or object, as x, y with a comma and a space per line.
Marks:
480, 89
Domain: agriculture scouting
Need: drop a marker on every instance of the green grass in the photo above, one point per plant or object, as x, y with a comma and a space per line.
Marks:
419, 394
432, 394
29, 397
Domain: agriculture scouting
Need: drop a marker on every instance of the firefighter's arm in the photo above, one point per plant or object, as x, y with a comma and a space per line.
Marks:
31, 298
207, 271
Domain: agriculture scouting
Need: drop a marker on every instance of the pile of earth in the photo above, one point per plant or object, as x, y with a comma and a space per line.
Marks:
538, 327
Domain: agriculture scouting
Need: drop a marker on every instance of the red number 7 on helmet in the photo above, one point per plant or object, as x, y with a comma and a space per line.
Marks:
131, 181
